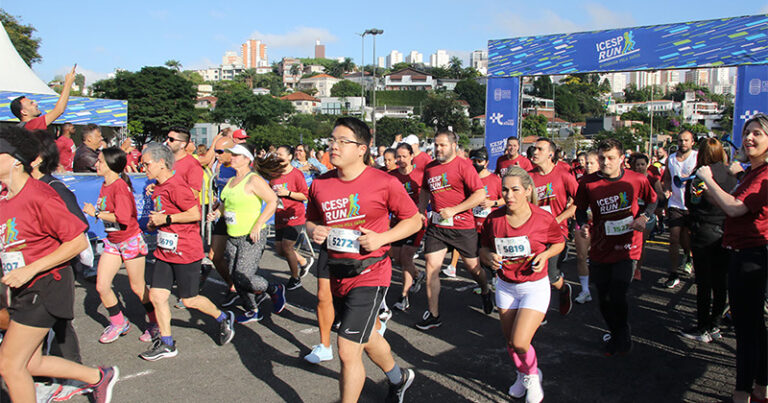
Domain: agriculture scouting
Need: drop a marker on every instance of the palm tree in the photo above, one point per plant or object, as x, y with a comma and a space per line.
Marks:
454, 66
173, 64
295, 72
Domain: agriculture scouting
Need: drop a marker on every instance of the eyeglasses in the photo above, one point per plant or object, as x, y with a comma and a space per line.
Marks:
332, 140
219, 151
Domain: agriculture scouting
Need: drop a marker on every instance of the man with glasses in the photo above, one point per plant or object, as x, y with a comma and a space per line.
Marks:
187, 167
349, 210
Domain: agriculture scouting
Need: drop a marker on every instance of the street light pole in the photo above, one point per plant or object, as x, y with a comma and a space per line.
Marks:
374, 32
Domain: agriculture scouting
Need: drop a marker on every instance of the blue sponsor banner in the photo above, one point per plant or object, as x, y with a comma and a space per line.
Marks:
501, 115
751, 97
712, 43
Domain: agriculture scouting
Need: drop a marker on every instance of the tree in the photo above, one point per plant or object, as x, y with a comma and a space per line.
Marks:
193, 77
275, 134
454, 67
21, 38
442, 110
469, 90
630, 138
346, 88
534, 125
542, 87
158, 98
238, 105
387, 128
173, 64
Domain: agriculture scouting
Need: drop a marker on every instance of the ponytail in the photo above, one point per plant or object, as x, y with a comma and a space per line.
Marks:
124, 176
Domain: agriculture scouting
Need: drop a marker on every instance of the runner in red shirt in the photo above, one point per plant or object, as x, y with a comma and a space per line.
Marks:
582, 243
491, 183
616, 235
349, 210
555, 190
512, 157
124, 244
420, 158
176, 216
38, 236
186, 166
579, 167
519, 239
404, 250
66, 147
290, 218
638, 162
29, 113
454, 188
746, 235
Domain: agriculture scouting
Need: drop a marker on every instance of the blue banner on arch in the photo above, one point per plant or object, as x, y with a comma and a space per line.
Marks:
751, 96
501, 115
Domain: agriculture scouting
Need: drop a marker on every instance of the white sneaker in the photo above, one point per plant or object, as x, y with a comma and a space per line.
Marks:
517, 390
319, 353
449, 271
583, 297
534, 393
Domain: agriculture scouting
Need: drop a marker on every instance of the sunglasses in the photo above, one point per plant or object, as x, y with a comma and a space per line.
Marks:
219, 151
171, 139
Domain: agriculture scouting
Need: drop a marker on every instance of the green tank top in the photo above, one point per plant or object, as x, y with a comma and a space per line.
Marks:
241, 210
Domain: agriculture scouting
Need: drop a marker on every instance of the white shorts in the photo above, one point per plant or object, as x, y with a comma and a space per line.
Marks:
529, 295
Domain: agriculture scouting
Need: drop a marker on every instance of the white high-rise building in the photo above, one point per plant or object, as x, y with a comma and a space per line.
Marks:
644, 78
231, 57
720, 81
698, 77
479, 60
618, 81
669, 79
414, 57
394, 57
439, 59
382, 62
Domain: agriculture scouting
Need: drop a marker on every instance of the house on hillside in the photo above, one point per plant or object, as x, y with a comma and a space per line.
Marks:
321, 82
302, 102
408, 79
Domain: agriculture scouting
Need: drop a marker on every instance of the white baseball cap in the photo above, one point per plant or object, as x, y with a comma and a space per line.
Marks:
240, 149
411, 139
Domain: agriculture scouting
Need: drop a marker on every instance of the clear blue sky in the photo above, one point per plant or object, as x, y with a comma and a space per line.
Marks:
103, 35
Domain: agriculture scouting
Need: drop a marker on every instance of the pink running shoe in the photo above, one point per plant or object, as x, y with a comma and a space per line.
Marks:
150, 334
112, 333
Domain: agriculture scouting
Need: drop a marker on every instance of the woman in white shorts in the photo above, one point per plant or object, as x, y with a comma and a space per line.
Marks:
519, 238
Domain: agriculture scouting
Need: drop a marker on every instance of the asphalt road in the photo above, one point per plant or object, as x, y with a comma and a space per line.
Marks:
464, 360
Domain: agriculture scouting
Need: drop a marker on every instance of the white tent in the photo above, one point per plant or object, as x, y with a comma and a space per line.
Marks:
15, 75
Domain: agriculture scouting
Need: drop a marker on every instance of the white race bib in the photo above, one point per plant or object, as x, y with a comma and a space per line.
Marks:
230, 218
344, 240
547, 208
12, 261
436, 219
280, 204
167, 240
619, 227
479, 211
515, 247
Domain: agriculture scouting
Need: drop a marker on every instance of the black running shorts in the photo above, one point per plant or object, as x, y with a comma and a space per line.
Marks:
463, 240
289, 233
49, 299
358, 311
187, 276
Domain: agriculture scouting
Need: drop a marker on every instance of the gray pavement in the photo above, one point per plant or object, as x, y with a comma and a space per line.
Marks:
464, 360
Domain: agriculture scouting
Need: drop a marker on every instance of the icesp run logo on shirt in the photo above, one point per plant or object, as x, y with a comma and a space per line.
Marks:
612, 204
439, 182
342, 209
101, 203
158, 204
9, 234
545, 192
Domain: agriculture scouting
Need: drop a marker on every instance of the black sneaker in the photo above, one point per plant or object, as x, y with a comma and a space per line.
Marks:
428, 321
565, 299
304, 270
487, 302
102, 391
159, 350
402, 304
227, 328
698, 334
293, 283
230, 298
672, 281
397, 392
261, 297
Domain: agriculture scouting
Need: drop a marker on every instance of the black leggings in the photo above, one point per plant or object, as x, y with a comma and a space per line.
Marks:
711, 263
747, 282
612, 282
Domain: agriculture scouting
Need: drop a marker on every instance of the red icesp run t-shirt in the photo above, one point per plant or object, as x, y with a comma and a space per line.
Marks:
614, 206
190, 171
172, 197
365, 201
66, 152
751, 229
504, 162
37, 123
540, 231
411, 182
35, 222
492, 184
553, 191
450, 184
420, 162
292, 212
118, 199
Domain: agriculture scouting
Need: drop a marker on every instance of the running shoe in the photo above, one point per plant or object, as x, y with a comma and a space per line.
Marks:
672, 281
383, 328
304, 270
261, 297
428, 321
70, 388
487, 302
47, 392
397, 392
250, 316
278, 299
227, 328
402, 304
385, 314
159, 351
112, 332
688, 265
150, 334
319, 354
565, 299
715, 333
533, 390
698, 334
230, 298
102, 391
293, 283
637, 275
517, 390
583, 297
179, 304
449, 271
416, 287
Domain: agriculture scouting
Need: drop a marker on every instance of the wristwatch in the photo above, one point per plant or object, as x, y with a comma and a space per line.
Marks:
168, 219
96, 214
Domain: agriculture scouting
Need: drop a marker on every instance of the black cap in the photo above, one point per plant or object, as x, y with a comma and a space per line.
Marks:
479, 154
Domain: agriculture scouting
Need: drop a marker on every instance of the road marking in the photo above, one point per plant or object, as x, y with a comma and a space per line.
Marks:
136, 375
657, 242
309, 330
